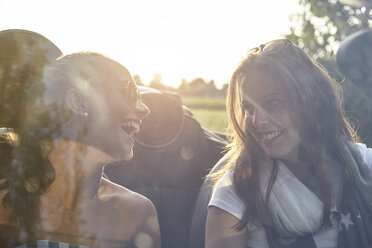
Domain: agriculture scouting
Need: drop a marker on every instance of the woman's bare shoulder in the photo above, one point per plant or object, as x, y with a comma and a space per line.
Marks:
125, 198
137, 210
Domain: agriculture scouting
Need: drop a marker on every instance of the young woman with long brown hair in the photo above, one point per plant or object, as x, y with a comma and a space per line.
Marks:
295, 176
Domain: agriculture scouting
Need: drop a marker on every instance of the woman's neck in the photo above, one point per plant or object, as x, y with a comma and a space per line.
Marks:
78, 169
301, 169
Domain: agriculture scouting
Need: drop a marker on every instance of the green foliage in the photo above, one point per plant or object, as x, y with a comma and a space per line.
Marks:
204, 103
198, 87
157, 82
319, 29
323, 24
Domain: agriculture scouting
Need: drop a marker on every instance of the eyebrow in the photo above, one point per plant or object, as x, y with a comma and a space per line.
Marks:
259, 102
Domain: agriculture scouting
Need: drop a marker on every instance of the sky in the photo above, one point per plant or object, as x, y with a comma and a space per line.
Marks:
177, 39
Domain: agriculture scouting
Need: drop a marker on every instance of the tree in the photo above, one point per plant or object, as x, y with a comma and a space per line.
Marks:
157, 82
183, 88
199, 88
211, 89
224, 90
323, 24
319, 29
198, 84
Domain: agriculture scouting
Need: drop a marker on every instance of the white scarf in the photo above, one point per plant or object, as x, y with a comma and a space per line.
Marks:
295, 209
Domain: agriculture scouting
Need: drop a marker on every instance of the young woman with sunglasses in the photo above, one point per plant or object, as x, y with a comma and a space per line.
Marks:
295, 175
79, 115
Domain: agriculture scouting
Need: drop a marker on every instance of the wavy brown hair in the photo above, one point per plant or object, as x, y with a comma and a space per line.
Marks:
316, 103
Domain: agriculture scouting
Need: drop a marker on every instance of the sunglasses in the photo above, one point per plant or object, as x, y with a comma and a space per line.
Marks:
131, 92
270, 47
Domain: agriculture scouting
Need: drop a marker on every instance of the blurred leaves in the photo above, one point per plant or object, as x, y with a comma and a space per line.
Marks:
319, 29
323, 24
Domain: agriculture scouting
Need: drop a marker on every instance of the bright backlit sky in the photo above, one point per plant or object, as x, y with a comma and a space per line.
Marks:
178, 39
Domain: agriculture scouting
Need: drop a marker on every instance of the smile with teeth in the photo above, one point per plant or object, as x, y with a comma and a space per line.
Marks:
131, 127
270, 136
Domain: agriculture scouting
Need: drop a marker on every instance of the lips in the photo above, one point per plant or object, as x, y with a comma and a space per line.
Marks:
269, 136
130, 127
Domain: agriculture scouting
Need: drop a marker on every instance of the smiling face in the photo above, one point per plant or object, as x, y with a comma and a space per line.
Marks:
268, 116
114, 112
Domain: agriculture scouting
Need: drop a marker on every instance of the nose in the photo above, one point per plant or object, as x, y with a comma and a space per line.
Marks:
260, 117
141, 109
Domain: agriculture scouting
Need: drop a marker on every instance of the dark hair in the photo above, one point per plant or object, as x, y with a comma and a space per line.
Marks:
316, 101
39, 121
26, 170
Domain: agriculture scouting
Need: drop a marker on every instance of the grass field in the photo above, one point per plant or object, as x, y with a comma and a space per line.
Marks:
204, 103
210, 112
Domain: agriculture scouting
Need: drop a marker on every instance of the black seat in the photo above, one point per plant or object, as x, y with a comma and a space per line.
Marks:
199, 217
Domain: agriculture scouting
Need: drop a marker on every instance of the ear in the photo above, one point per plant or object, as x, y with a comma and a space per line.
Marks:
76, 101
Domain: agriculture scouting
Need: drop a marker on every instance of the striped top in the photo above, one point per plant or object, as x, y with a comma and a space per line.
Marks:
49, 244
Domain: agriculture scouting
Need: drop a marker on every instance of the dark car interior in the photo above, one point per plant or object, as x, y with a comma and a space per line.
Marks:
172, 155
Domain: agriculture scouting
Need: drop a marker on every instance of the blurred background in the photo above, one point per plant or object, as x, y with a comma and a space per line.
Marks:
192, 47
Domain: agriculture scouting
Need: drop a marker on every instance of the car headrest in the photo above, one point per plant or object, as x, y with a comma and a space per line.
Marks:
164, 123
354, 57
18, 44
23, 57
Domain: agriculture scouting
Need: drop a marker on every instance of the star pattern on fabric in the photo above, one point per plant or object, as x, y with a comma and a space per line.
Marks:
334, 209
359, 216
346, 221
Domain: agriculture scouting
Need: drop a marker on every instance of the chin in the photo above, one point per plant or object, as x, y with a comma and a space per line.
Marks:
123, 154
129, 155
282, 155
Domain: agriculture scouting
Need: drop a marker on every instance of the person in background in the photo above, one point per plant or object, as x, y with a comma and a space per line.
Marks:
79, 114
295, 174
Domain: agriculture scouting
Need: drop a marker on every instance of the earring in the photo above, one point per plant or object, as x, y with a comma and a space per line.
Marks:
85, 114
